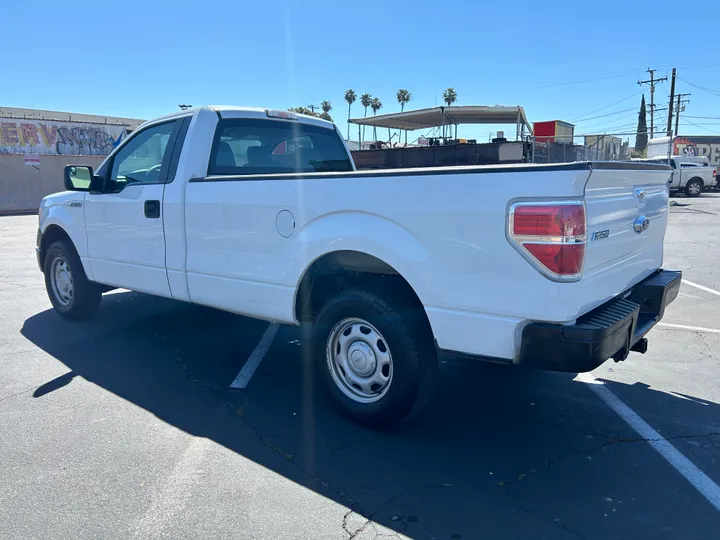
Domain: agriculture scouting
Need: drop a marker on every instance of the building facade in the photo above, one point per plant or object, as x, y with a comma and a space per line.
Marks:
35, 145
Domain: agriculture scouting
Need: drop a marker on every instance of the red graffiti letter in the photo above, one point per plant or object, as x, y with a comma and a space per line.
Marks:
49, 134
8, 131
28, 135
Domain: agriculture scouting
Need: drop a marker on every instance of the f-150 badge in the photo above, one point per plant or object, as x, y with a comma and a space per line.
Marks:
599, 235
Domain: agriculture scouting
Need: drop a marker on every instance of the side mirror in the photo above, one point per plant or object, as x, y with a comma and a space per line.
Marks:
77, 177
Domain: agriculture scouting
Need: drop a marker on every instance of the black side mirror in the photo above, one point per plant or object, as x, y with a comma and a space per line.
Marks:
77, 177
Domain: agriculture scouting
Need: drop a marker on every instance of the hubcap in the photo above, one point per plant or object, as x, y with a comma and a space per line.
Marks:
62, 281
694, 188
359, 360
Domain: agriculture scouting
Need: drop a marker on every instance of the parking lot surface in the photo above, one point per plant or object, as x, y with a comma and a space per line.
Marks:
126, 427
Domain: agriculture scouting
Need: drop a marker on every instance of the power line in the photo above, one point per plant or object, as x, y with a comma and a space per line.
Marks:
703, 88
579, 81
698, 125
580, 118
607, 114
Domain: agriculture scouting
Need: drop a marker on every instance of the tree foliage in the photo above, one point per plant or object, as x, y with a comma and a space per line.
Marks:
304, 110
403, 98
641, 137
449, 96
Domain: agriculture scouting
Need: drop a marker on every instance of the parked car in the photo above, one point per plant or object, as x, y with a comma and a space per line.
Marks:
263, 214
691, 175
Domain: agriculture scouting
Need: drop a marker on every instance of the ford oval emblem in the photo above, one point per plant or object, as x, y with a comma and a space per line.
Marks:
641, 224
640, 197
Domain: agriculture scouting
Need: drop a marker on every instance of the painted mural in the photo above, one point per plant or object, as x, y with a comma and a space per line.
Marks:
52, 138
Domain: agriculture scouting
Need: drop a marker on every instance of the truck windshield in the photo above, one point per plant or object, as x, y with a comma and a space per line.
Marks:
258, 146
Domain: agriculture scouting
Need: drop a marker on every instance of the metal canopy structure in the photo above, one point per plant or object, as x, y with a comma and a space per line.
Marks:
443, 116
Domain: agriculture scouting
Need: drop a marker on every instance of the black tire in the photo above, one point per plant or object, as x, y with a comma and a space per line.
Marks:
84, 298
409, 340
696, 189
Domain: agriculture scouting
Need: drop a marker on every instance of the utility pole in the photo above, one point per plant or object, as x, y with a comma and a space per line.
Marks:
652, 82
313, 107
670, 105
653, 110
680, 105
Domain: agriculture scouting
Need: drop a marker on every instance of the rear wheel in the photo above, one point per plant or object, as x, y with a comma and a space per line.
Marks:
376, 358
694, 188
71, 293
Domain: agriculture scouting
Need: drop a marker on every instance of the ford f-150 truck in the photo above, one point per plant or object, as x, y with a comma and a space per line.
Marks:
262, 213
691, 175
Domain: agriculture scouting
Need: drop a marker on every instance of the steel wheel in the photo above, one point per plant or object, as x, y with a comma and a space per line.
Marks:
359, 360
62, 281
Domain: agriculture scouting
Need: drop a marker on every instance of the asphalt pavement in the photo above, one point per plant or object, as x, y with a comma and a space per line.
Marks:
126, 427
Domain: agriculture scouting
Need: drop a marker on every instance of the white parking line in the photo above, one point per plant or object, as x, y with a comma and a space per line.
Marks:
247, 371
699, 480
691, 328
701, 287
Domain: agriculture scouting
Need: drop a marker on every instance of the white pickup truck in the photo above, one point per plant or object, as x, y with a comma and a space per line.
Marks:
263, 214
690, 175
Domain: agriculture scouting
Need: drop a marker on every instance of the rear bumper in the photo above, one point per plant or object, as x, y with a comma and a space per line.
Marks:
609, 331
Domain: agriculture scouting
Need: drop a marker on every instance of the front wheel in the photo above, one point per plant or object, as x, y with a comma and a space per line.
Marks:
71, 293
694, 188
375, 358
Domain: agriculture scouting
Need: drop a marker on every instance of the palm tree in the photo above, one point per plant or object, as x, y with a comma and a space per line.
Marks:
403, 97
376, 105
449, 97
350, 97
326, 106
365, 101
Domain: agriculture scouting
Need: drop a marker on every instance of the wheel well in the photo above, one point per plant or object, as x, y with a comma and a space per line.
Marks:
698, 179
333, 272
51, 235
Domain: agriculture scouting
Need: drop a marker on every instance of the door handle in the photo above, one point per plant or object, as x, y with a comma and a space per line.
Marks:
152, 209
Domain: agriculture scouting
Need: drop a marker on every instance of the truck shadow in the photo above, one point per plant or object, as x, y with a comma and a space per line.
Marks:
499, 451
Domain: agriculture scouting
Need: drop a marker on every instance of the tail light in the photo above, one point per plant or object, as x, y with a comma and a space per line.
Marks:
551, 236
714, 173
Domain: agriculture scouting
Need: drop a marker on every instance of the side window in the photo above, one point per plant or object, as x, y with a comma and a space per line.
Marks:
245, 146
142, 158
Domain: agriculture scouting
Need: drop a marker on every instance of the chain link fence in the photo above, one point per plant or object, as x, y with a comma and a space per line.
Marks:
605, 147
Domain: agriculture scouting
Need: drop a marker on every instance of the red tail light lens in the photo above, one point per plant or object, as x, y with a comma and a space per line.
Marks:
561, 259
554, 220
550, 236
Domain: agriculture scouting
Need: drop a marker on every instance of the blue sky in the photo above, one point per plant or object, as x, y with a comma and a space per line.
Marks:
143, 58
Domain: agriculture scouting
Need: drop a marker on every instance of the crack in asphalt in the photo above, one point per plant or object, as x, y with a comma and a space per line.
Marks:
345, 525
609, 442
555, 522
21, 392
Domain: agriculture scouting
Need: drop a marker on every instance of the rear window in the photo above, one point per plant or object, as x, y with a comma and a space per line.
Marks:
256, 146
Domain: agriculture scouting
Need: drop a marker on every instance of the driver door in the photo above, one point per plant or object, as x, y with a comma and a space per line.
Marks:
124, 224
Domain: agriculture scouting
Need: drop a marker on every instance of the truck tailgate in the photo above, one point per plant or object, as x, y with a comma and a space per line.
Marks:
627, 213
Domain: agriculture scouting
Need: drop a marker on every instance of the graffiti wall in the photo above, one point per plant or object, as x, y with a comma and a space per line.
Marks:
52, 138
698, 146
